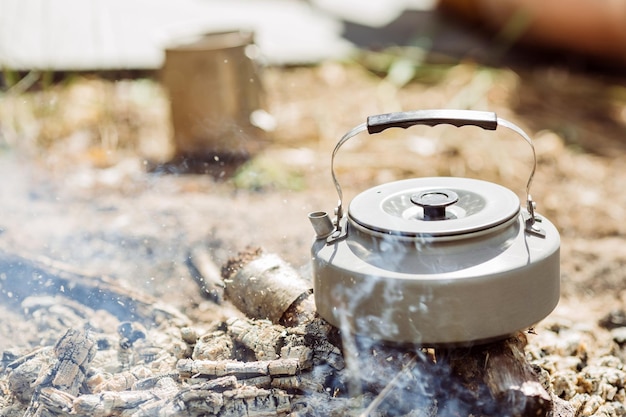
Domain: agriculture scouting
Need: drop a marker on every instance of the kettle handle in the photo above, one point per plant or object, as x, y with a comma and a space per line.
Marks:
458, 118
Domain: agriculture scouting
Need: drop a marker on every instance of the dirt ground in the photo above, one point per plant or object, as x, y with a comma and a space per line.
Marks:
78, 186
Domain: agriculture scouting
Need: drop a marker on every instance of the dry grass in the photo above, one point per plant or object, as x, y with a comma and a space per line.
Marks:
87, 118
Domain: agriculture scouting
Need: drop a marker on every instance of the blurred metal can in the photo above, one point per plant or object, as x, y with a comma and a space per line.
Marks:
214, 88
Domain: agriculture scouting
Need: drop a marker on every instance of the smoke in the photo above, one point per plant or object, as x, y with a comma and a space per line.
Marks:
391, 377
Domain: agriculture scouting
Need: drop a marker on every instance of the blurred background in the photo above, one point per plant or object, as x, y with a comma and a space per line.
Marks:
94, 72
114, 54
106, 102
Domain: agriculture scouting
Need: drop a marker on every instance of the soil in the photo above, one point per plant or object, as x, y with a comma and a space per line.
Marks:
72, 194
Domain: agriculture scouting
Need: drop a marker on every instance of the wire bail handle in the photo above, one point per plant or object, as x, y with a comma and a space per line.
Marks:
458, 118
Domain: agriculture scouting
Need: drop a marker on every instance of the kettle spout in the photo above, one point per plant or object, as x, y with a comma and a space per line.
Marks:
322, 224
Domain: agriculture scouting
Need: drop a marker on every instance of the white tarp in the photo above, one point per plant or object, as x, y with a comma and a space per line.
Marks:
132, 34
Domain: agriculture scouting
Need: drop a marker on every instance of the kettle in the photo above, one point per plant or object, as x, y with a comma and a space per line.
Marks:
438, 260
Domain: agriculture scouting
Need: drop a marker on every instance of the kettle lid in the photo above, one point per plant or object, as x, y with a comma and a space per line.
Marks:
434, 207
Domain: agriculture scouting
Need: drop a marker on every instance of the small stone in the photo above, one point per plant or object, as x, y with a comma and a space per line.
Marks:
619, 335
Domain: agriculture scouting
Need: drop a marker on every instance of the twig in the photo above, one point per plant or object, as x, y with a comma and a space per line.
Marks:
390, 386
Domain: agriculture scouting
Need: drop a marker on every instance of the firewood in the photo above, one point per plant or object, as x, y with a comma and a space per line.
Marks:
512, 381
236, 401
263, 286
206, 274
151, 382
322, 337
260, 336
215, 345
301, 311
74, 352
195, 400
502, 368
241, 370
275, 362
251, 401
109, 403
53, 402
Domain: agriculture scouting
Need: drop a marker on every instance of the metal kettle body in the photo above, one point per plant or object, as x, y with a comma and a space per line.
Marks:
435, 261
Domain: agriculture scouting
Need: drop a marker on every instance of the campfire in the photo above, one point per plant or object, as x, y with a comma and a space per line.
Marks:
278, 358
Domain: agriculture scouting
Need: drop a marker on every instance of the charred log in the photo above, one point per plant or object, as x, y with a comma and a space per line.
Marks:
62, 380
500, 378
27, 276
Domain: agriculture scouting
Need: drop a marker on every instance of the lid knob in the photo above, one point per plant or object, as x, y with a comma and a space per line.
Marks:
434, 202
